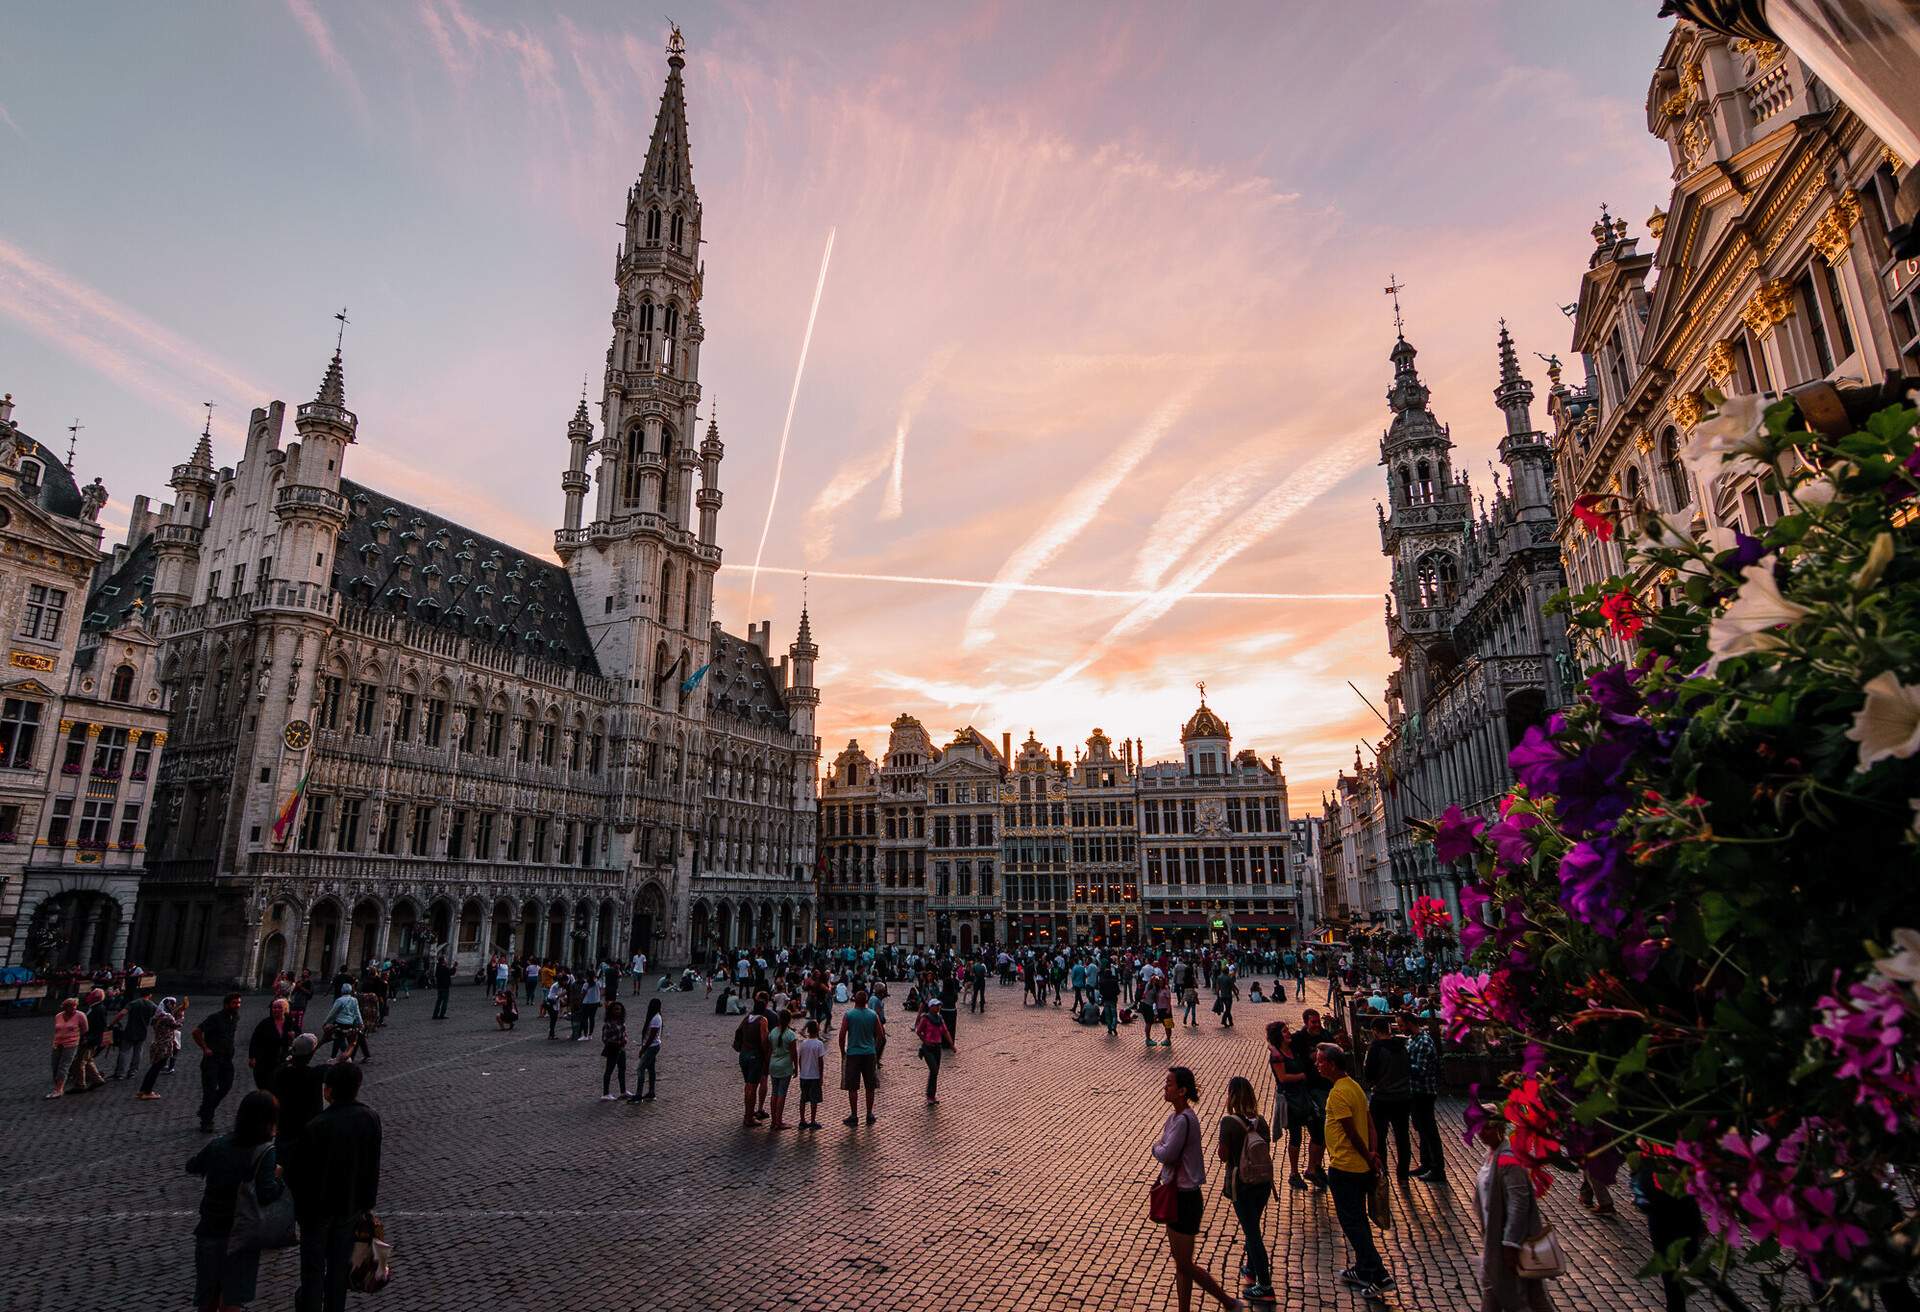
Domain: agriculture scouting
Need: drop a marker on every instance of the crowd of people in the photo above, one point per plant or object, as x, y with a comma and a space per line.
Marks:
1349, 1124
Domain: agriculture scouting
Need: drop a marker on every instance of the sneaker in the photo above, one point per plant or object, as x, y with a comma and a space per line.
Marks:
1381, 1283
1295, 1182
1259, 1293
606, 1097
146, 1097
851, 1120
1318, 1179
871, 1118
1351, 1275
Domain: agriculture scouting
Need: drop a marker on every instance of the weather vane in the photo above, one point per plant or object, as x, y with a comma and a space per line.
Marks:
676, 44
208, 430
1202, 686
73, 441
340, 338
1393, 288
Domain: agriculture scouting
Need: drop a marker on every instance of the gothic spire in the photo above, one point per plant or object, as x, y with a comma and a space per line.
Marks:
669, 166
203, 449
333, 387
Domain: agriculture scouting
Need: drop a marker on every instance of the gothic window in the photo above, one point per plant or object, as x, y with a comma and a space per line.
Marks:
670, 328
630, 471
1435, 579
661, 671
666, 589
1616, 358
646, 332
1423, 483
653, 227
679, 231
1406, 486
1636, 497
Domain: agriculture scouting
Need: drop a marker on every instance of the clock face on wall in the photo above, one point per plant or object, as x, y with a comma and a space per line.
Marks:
299, 734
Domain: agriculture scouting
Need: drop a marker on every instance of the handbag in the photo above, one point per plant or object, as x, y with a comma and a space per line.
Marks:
1163, 1200
369, 1272
258, 1225
1541, 1257
1378, 1202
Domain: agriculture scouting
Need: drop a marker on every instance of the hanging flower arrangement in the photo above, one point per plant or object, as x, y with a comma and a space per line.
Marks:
1693, 925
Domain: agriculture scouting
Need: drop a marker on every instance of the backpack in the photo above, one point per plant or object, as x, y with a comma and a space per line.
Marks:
740, 1035
1256, 1154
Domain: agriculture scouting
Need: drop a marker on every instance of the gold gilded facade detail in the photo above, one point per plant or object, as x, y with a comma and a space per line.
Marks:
1687, 409
1833, 235
1643, 442
1720, 360
1769, 306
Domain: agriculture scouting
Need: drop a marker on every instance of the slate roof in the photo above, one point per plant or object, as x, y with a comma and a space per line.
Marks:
59, 494
742, 687
111, 604
399, 558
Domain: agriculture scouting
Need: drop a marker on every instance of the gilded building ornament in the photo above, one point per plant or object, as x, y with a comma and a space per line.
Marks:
1894, 161
1687, 409
1643, 441
93, 730
1765, 54
66, 726
27, 660
1833, 235
1676, 104
1657, 223
1695, 141
1771, 304
1720, 360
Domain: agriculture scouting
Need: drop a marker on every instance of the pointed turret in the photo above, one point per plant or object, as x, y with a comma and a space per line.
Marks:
709, 498
573, 480
1524, 449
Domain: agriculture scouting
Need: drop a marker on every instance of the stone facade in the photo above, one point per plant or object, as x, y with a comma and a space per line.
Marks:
1769, 269
82, 722
394, 735
1356, 870
1477, 657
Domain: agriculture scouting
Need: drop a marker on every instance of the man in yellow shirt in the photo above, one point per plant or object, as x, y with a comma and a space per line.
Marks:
1352, 1166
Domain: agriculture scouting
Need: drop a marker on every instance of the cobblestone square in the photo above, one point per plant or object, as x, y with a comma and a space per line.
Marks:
507, 1183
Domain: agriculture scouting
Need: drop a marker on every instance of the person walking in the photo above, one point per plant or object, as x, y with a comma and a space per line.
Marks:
752, 1040
162, 1044
1308, 1105
863, 1036
1163, 1006
136, 1020
1390, 1090
442, 983
780, 1064
339, 1164
1183, 1167
935, 1038
84, 1073
1108, 982
347, 1024
267, 1049
1352, 1165
1509, 1216
69, 1027
613, 1047
1229, 991
1190, 1004
225, 1275
214, 1036
1423, 1083
1246, 1149
296, 1087
556, 1001
589, 1008
646, 1076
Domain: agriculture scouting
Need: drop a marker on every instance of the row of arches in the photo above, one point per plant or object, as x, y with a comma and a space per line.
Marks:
724, 924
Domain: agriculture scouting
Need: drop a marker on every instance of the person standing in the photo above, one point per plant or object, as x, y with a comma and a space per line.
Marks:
1108, 982
950, 997
296, 1087
215, 1036
1190, 1003
613, 1047
1163, 1005
780, 1065
224, 1276
751, 1039
1423, 1083
1352, 1165
84, 1074
556, 1000
935, 1038
442, 983
862, 1037
810, 1059
1313, 1088
1509, 1216
646, 1076
339, 1158
161, 1047
69, 1027
1390, 1088
267, 1048
1183, 1165
589, 1008
1246, 1149
1229, 991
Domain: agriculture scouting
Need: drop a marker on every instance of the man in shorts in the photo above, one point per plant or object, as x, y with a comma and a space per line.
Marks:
862, 1035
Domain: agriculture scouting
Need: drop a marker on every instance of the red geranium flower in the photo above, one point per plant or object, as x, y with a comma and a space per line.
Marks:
1622, 615
1585, 509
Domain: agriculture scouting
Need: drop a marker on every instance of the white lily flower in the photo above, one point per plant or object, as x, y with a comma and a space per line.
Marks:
1904, 964
1735, 430
1748, 624
1815, 492
1888, 724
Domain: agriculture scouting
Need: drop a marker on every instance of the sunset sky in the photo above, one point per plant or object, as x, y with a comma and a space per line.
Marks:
1104, 313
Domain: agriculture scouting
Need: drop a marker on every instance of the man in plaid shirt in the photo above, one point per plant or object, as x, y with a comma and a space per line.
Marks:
1423, 1055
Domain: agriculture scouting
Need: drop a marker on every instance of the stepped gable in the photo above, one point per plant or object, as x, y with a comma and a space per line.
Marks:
396, 557
742, 687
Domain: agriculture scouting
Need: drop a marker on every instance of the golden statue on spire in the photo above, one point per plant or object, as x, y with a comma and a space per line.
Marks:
676, 44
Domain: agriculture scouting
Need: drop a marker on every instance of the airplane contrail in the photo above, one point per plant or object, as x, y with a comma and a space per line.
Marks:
793, 397
1054, 589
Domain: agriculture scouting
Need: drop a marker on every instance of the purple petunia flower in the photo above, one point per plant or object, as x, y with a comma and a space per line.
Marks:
1592, 886
1457, 835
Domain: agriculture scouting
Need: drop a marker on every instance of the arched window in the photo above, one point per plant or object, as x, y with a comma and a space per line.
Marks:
679, 231
1406, 486
662, 670
1423, 483
1434, 579
666, 588
646, 331
653, 227
122, 690
660, 170
630, 473
1678, 489
670, 327
1635, 489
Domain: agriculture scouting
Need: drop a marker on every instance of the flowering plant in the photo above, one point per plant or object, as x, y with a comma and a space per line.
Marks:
1678, 921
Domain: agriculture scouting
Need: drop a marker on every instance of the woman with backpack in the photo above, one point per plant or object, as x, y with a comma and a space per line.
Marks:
225, 1279
1183, 1175
1246, 1146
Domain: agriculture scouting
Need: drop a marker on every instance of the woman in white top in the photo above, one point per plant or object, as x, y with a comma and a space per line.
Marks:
645, 1077
1182, 1156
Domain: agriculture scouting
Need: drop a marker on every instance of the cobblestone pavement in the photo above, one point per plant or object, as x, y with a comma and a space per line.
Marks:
507, 1183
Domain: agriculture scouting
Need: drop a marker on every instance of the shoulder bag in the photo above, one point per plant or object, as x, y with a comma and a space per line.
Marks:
1541, 1257
258, 1225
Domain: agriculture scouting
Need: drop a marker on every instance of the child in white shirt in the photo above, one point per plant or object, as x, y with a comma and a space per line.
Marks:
812, 1054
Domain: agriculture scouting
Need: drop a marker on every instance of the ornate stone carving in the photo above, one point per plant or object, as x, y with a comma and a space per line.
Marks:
1687, 408
1720, 360
1833, 235
1643, 441
1768, 306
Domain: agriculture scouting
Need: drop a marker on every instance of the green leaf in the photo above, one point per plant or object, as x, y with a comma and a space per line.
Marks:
1718, 916
1594, 1105
1634, 1062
